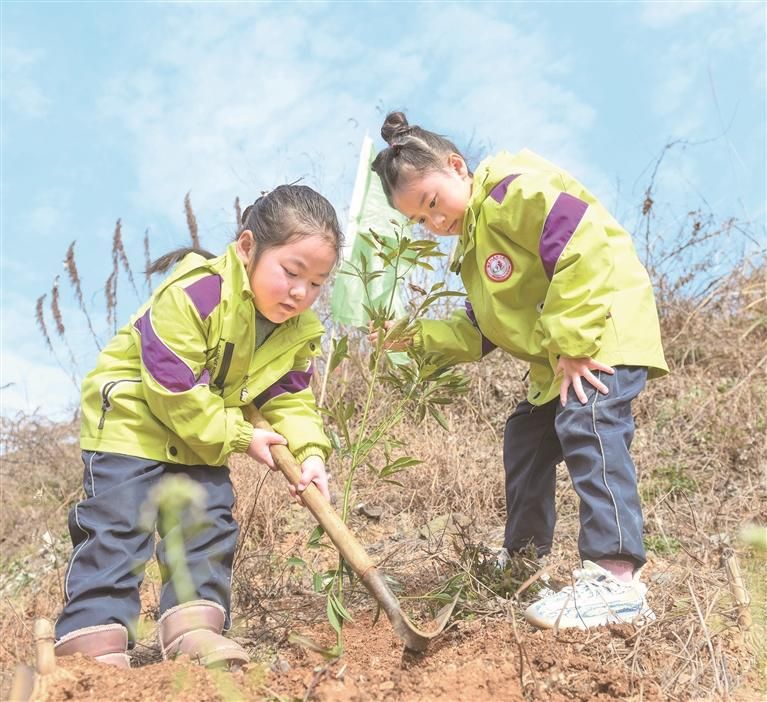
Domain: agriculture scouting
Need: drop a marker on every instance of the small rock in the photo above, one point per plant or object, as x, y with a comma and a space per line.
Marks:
280, 665
445, 525
369, 511
388, 685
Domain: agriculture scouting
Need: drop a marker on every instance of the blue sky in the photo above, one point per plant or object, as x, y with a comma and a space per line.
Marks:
118, 109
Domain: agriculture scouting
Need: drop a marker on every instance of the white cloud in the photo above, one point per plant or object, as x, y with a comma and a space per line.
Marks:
30, 377
230, 102
28, 387
708, 58
20, 92
668, 12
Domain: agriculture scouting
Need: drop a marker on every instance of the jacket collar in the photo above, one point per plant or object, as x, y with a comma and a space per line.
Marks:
488, 174
478, 194
240, 282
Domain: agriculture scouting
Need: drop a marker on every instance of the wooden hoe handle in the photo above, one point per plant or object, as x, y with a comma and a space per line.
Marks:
343, 539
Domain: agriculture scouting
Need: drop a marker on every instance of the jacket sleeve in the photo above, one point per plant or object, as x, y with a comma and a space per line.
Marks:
569, 237
289, 406
457, 339
172, 341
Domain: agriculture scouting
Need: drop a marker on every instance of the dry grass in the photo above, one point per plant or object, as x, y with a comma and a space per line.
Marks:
700, 454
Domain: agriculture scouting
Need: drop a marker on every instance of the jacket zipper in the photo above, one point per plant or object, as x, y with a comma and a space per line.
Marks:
226, 361
105, 390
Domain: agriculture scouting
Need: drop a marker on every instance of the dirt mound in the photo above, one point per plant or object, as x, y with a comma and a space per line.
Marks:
474, 660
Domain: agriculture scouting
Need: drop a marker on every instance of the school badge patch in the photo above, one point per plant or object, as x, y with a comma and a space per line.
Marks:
498, 267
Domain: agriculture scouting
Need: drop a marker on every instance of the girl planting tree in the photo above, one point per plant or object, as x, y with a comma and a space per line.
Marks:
165, 399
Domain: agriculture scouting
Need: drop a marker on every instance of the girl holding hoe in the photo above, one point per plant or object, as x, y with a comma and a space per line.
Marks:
553, 279
166, 398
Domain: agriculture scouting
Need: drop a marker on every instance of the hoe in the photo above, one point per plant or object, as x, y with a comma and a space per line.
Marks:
352, 551
30, 684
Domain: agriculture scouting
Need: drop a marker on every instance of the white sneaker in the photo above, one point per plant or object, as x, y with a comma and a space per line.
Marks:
595, 599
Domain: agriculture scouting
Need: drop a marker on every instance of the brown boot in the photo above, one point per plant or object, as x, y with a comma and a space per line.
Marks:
194, 628
107, 643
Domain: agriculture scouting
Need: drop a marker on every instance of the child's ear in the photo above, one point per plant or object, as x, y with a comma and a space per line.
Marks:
245, 246
456, 163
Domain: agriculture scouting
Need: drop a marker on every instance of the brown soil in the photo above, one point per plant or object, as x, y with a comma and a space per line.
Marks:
700, 457
475, 660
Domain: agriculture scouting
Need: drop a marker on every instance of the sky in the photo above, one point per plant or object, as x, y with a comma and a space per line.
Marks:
118, 109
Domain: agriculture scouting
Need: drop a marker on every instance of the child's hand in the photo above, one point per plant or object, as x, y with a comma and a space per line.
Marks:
576, 368
313, 472
400, 344
260, 443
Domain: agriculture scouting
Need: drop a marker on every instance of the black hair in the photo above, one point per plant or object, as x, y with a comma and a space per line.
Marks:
412, 151
287, 213
165, 262
282, 215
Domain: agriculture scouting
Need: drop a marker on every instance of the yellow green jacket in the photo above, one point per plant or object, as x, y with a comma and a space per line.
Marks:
170, 384
548, 272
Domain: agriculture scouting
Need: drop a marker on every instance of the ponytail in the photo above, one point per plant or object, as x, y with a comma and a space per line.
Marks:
165, 262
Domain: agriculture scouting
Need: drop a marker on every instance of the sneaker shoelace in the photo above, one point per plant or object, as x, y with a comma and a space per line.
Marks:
589, 584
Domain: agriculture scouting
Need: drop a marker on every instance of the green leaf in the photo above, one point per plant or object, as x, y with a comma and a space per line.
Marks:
335, 440
339, 352
379, 239
396, 466
356, 273
441, 420
371, 313
296, 562
368, 240
446, 293
333, 618
340, 609
336, 613
315, 538
306, 642
441, 400
393, 482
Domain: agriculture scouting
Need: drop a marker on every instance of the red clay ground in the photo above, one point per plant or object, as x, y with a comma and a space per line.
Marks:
477, 660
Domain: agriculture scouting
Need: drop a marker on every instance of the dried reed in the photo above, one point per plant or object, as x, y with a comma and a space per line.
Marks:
74, 278
147, 262
55, 308
110, 295
40, 317
119, 255
191, 221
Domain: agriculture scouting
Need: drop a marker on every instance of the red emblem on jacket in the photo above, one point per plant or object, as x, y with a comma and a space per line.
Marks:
498, 267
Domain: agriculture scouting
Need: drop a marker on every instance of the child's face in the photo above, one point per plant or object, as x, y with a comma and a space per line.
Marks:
438, 199
287, 279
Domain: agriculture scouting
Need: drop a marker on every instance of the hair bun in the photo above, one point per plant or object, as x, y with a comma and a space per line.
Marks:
395, 125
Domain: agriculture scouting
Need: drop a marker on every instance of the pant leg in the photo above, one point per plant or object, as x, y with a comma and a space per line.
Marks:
209, 546
531, 452
596, 438
110, 549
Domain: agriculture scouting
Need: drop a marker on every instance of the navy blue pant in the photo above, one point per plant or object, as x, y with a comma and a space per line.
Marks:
111, 546
594, 440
